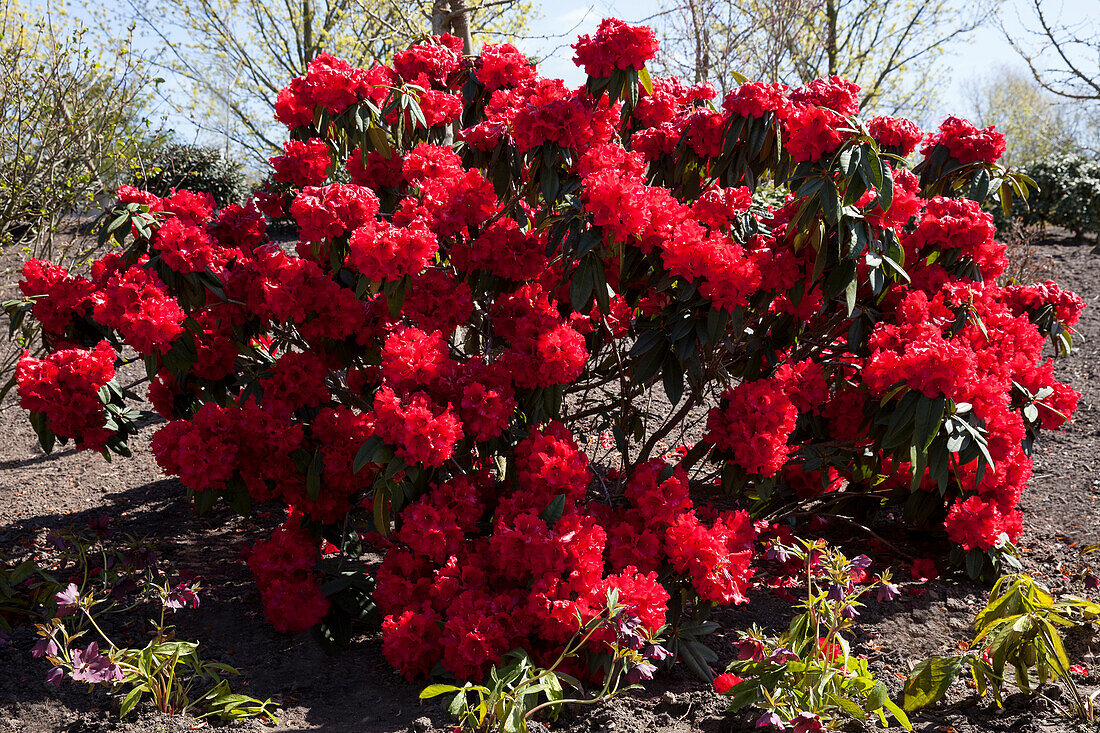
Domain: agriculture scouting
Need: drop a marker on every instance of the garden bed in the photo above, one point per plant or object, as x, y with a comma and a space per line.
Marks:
358, 690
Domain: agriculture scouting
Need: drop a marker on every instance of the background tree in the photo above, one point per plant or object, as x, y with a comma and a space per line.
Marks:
1035, 123
710, 40
891, 48
1063, 56
73, 123
231, 57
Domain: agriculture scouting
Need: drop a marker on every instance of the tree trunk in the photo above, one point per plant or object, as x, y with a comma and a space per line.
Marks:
460, 25
441, 17
830, 40
702, 41
308, 51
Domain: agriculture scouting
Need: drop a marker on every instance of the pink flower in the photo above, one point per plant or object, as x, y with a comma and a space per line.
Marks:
45, 647
91, 666
182, 595
67, 599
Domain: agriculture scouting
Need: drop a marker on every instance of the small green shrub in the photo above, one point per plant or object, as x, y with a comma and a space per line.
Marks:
1068, 196
806, 678
195, 168
1017, 630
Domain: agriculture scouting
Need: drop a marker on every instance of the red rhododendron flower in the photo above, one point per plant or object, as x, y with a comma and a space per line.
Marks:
658, 502
967, 143
549, 463
303, 163
502, 66
436, 299
723, 683
135, 303
830, 650
332, 211
545, 111
436, 61
948, 223
839, 95
974, 524
412, 358
60, 297
616, 45
294, 106
753, 425
895, 135
185, 247
376, 171
64, 387
381, 251
240, 227
812, 132
755, 99
411, 642
421, 430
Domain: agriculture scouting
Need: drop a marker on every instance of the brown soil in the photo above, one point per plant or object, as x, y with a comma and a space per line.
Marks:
357, 691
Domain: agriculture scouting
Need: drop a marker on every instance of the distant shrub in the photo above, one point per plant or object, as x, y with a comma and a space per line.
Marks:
195, 168
1068, 196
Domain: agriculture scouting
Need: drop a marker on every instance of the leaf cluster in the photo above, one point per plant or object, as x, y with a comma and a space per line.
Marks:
809, 668
1019, 630
517, 691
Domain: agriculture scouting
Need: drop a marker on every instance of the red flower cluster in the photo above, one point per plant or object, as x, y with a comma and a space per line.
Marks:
433, 62
332, 84
959, 224
752, 426
284, 569
839, 95
967, 143
812, 132
332, 211
303, 163
64, 388
69, 296
454, 596
502, 66
755, 99
616, 46
135, 303
422, 431
895, 135
976, 524
543, 111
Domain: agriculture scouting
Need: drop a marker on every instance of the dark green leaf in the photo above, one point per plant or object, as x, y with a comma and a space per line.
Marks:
928, 421
552, 513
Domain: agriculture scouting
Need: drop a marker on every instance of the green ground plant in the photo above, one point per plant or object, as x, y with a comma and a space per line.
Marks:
1018, 630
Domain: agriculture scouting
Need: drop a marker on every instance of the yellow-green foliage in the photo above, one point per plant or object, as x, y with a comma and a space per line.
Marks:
70, 120
1035, 125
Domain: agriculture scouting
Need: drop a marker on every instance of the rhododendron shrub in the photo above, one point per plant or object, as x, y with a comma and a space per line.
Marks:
492, 267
